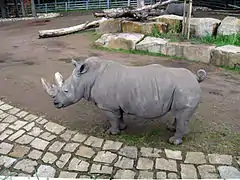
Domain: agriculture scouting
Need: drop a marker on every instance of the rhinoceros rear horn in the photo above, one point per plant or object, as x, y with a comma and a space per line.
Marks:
48, 88
58, 79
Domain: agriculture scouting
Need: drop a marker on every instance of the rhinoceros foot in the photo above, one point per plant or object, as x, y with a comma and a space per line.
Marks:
122, 126
171, 128
113, 131
175, 141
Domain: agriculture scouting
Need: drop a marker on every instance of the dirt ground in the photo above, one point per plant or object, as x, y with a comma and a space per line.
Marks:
24, 58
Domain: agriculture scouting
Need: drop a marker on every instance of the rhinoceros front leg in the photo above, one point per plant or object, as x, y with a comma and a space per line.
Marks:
172, 127
115, 121
182, 120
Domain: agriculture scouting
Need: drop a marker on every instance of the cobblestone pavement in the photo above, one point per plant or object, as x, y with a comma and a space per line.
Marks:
29, 143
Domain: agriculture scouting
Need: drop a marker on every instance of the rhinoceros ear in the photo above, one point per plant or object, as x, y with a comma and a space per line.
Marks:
81, 69
74, 62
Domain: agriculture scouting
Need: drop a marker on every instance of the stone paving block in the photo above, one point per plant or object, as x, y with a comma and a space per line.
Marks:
46, 171
6, 161
56, 146
208, 172
14, 111
67, 135
63, 160
10, 119
112, 145
49, 158
47, 136
30, 117
70, 147
145, 175
26, 165
41, 121
94, 142
29, 126
5, 107
173, 176
16, 135
125, 174
188, 171
17, 124
173, 154
39, 144
66, 174
105, 157
161, 175
3, 115
78, 165
150, 152
195, 158
25, 139
79, 137
238, 160
129, 151
1, 102
19, 151
228, 172
5, 148
101, 169
124, 163
220, 159
35, 154
3, 126
54, 128
5, 134
21, 114
36, 131
165, 164
85, 152
145, 164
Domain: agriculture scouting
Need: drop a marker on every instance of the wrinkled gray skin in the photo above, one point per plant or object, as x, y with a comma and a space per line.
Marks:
148, 91
177, 9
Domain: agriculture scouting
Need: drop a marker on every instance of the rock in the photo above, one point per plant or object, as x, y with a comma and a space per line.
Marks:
10, 119
150, 152
13, 111
67, 135
36, 131
21, 114
39, 144
85, 152
56, 146
16, 135
227, 55
5, 107
3, 126
94, 142
173, 154
125, 41
25, 139
145, 175
201, 27
188, 171
63, 160
17, 125
124, 163
49, 158
129, 151
30, 117
46, 171
29, 126
143, 28
167, 165
173, 22
35, 154
78, 165
54, 128
5, 148
101, 169
228, 172
152, 44
70, 147
41, 121
173, 176
5, 134
6, 161
19, 151
110, 26
145, 164
220, 159
189, 51
195, 158
26, 165
112, 145
66, 174
105, 157
48, 136
125, 174
229, 25
79, 137
207, 171
161, 175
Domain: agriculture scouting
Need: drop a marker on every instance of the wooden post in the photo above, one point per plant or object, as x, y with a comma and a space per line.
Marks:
23, 9
189, 19
34, 14
184, 18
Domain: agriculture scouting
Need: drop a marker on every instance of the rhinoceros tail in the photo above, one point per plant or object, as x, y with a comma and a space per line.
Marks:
201, 75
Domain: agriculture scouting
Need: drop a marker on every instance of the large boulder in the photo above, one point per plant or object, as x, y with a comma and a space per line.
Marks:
143, 28
152, 44
125, 41
201, 27
230, 25
189, 51
174, 22
227, 55
110, 26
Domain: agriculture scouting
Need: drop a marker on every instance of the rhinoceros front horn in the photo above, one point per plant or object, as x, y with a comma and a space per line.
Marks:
58, 79
48, 88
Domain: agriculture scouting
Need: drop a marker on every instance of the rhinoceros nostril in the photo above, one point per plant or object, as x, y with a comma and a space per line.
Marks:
55, 102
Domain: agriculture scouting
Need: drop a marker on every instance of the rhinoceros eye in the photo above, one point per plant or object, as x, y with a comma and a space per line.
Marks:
65, 90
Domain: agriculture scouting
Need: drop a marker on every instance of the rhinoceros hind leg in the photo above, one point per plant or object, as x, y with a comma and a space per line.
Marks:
122, 125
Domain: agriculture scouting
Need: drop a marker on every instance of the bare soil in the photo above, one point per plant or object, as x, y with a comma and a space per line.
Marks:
24, 58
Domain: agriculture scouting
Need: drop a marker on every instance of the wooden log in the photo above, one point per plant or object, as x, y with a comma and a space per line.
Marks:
69, 30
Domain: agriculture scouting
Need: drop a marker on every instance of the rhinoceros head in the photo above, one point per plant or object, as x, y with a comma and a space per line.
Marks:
69, 91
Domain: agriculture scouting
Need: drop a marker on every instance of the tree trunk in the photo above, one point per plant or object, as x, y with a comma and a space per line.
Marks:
3, 10
33, 8
22, 7
69, 30
16, 8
